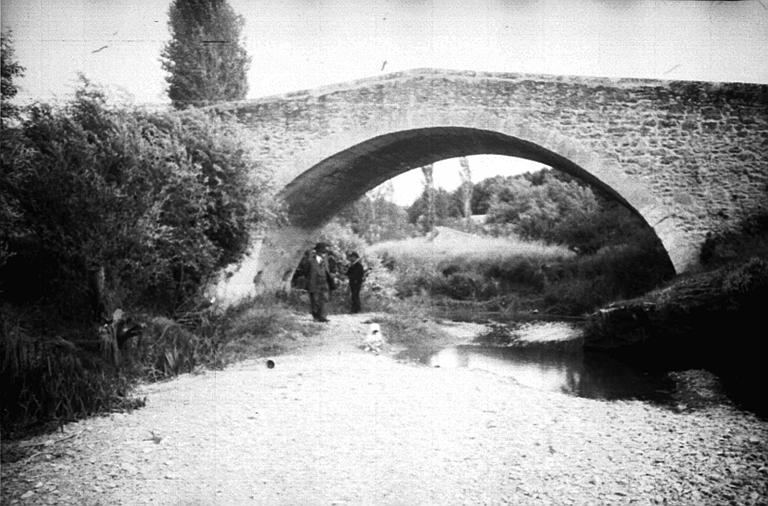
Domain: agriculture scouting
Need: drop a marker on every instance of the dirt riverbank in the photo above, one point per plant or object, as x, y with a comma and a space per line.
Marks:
331, 424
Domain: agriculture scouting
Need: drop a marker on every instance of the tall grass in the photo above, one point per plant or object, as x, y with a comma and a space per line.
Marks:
512, 275
448, 244
465, 266
51, 373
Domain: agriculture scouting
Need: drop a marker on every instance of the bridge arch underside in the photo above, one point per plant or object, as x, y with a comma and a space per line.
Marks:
323, 190
318, 194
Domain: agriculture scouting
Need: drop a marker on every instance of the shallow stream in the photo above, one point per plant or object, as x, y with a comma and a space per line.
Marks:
582, 374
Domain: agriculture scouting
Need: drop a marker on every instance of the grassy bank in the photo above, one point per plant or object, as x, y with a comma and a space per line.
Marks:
709, 318
466, 267
114, 219
724, 297
52, 375
466, 276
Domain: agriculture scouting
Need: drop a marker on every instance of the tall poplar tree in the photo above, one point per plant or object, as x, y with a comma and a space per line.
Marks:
429, 188
205, 59
466, 189
11, 69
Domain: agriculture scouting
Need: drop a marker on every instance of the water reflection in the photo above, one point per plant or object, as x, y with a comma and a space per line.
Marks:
582, 374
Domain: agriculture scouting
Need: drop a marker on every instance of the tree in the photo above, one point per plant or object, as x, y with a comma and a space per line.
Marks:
443, 206
160, 201
204, 58
484, 191
466, 189
10, 69
552, 206
374, 217
429, 191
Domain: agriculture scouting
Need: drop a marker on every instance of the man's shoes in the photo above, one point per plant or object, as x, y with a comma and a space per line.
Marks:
323, 320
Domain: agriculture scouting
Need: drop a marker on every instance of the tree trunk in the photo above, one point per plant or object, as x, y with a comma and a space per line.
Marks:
429, 186
466, 189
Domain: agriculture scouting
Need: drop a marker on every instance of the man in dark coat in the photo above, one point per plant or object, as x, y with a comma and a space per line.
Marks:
319, 282
355, 273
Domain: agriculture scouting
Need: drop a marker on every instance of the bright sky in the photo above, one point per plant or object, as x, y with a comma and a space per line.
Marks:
299, 44
409, 185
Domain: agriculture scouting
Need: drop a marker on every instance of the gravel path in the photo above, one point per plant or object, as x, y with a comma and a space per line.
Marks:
330, 424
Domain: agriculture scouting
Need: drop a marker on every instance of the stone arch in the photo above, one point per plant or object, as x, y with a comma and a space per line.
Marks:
685, 156
344, 167
318, 193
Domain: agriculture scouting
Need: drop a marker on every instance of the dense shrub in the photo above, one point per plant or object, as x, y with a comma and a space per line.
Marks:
104, 208
746, 287
583, 283
463, 285
516, 272
159, 201
548, 278
748, 238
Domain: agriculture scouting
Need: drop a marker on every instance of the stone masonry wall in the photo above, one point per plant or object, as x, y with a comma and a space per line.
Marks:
696, 152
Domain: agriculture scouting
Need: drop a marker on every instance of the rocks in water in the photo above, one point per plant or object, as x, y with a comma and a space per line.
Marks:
620, 325
696, 389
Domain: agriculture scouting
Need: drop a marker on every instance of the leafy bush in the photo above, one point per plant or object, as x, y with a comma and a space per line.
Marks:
749, 238
160, 201
549, 278
749, 279
583, 283
462, 285
106, 208
516, 272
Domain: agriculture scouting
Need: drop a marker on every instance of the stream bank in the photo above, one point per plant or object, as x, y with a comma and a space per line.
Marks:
331, 424
708, 320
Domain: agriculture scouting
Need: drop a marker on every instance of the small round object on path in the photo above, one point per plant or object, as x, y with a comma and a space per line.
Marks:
270, 364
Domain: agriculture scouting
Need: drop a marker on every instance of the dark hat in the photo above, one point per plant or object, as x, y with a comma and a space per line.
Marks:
321, 246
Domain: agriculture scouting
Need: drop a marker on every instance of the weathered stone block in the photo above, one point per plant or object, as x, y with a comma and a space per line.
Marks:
689, 125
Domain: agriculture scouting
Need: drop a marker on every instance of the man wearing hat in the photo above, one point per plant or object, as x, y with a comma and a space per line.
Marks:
319, 282
355, 273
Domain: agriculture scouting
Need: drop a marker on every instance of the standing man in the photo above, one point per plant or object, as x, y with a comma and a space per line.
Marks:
320, 282
355, 273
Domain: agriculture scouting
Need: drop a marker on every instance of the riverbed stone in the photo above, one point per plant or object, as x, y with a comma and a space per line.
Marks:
368, 429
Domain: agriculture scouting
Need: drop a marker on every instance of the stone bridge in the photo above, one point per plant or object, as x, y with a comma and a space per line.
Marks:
688, 157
